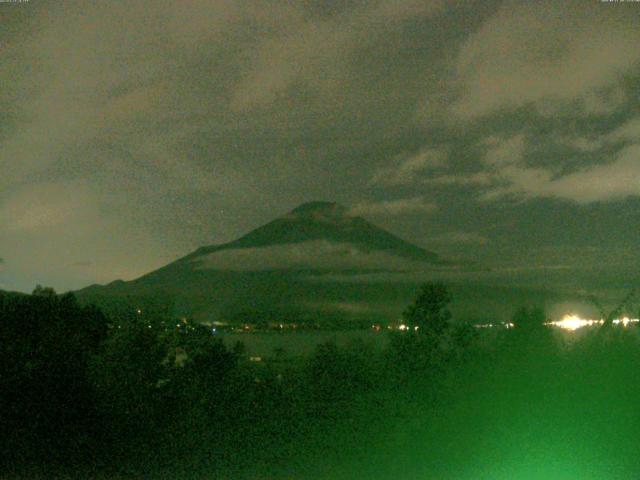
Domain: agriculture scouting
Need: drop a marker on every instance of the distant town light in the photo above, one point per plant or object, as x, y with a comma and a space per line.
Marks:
573, 322
483, 325
625, 321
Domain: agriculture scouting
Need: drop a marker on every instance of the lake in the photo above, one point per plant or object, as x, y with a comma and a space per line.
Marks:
300, 343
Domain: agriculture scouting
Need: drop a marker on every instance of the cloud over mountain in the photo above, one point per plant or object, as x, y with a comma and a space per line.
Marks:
133, 132
309, 255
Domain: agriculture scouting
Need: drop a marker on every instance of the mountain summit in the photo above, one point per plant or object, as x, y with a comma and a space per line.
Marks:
322, 224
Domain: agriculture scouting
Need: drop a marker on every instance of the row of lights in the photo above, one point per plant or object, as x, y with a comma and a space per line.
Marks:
492, 325
573, 322
569, 322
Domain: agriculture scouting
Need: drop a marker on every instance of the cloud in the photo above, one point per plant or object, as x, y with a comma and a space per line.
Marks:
133, 132
502, 152
499, 153
604, 102
97, 86
614, 180
317, 51
507, 168
459, 238
470, 179
407, 169
394, 207
45, 205
581, 144
45, 226
82, 264
116, 118
317, 254
627, 132
546, 53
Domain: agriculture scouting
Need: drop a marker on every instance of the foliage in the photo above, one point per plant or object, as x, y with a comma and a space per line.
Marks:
609, 315
429, 311
528, 318
336, 374
146, 396
46, 342
141, 390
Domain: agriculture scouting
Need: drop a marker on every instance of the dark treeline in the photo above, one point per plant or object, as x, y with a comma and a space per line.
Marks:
83, 395
141, 393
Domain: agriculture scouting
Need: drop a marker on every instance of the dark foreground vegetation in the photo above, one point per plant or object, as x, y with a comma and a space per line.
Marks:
139, 396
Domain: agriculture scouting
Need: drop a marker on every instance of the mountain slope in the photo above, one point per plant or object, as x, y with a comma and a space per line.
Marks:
323, 221
271, 267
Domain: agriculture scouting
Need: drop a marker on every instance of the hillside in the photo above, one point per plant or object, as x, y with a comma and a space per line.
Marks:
316, 263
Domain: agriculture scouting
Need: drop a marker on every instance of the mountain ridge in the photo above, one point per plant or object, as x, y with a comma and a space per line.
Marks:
272, 268
319, 220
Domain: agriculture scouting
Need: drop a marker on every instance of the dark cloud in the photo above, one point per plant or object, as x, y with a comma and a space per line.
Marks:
131, 133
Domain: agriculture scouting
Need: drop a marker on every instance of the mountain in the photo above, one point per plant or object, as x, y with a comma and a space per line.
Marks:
286, 264
316, 236
317, 264
323, 222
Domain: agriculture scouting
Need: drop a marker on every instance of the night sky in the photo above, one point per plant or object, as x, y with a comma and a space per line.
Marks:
133, 132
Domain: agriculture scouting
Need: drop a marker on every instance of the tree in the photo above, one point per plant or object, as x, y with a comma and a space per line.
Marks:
46, 397
528, 319
41, 291
610, 315
429, 311
530, 336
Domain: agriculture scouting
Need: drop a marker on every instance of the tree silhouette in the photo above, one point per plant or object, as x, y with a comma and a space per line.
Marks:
41, 291
610, 315
529, 318
46, 343
429, 311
